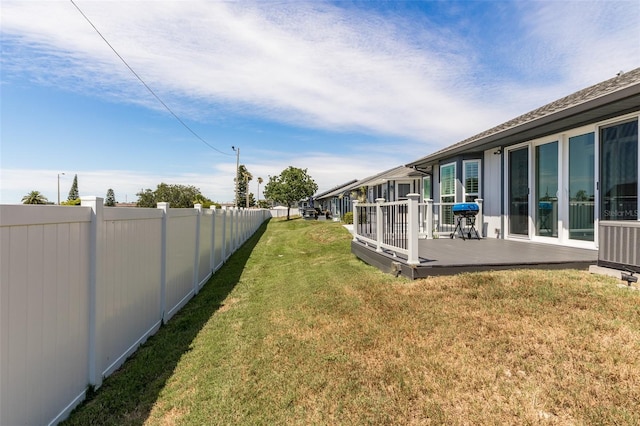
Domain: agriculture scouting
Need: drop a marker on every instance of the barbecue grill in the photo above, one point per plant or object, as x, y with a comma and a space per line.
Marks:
465, 212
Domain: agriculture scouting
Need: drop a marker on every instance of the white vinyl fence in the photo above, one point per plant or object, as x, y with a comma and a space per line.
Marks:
81, 288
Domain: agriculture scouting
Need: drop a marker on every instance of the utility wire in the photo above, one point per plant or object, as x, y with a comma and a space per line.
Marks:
146, 85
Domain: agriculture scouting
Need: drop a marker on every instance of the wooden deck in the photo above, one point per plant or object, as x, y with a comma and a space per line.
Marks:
447, 256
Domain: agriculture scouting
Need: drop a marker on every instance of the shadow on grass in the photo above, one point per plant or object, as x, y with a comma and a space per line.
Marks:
128, 395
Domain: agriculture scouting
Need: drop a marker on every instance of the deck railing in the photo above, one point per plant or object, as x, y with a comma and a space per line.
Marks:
390, 226
396, 226
437, 219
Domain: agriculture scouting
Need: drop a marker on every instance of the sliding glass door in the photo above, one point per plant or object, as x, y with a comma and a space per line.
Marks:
518, 170
546, 190
581, 187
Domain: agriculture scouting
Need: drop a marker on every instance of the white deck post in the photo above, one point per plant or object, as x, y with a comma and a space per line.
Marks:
479, 219
379, 222
429, 218
355, 220
412, 229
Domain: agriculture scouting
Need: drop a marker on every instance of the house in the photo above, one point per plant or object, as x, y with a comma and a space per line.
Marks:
334, 201
391, 185
550, 175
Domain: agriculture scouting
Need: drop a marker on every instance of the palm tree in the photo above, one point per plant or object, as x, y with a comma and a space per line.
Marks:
247, 177
260, 180
34, 197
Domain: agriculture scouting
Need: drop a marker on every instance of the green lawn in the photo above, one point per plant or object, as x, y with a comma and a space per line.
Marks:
295, 330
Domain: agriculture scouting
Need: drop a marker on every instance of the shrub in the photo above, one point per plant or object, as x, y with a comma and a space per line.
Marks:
348, 218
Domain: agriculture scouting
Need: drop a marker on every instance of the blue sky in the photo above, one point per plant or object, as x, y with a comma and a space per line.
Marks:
344, 89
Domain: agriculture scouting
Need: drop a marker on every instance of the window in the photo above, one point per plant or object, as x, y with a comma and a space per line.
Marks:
403, 190
426, 188
448, 183
447, 191
619, 171
471, 180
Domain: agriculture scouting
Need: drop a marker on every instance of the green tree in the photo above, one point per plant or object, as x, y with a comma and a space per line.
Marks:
581, 195
291, 186
244, 198
176, 195
76, 202
146, 198
260, 180
73, 192
205, 202
34, 197
110, 201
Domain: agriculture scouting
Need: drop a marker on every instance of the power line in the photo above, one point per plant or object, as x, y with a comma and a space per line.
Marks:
146, 85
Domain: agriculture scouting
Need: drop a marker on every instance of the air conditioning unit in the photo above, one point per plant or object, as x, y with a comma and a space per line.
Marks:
619, 245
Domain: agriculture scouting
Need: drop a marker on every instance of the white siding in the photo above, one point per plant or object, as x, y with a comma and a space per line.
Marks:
492, 185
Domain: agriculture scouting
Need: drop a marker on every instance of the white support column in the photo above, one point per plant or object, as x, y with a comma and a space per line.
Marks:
163, 272
196, 261
480, 218
412, 229
379, 222
96, 287
355, 220
429, 217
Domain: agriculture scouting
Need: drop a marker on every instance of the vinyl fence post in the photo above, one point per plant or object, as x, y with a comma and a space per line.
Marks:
96, 236
163, 250
224, 235
236, 229
412, 229
212, 255
379, 222
196, 261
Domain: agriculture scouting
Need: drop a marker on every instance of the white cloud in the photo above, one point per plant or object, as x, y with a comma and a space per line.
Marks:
308, 64
327, 170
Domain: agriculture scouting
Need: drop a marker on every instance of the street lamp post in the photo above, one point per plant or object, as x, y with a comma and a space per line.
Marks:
59, 186
237, 150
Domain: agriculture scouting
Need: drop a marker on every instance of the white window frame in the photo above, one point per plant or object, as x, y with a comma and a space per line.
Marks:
427, 182
442, 193
398, 183
464, 179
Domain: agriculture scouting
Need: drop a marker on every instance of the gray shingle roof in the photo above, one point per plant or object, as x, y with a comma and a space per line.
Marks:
334, 189
564, 105
399, 172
